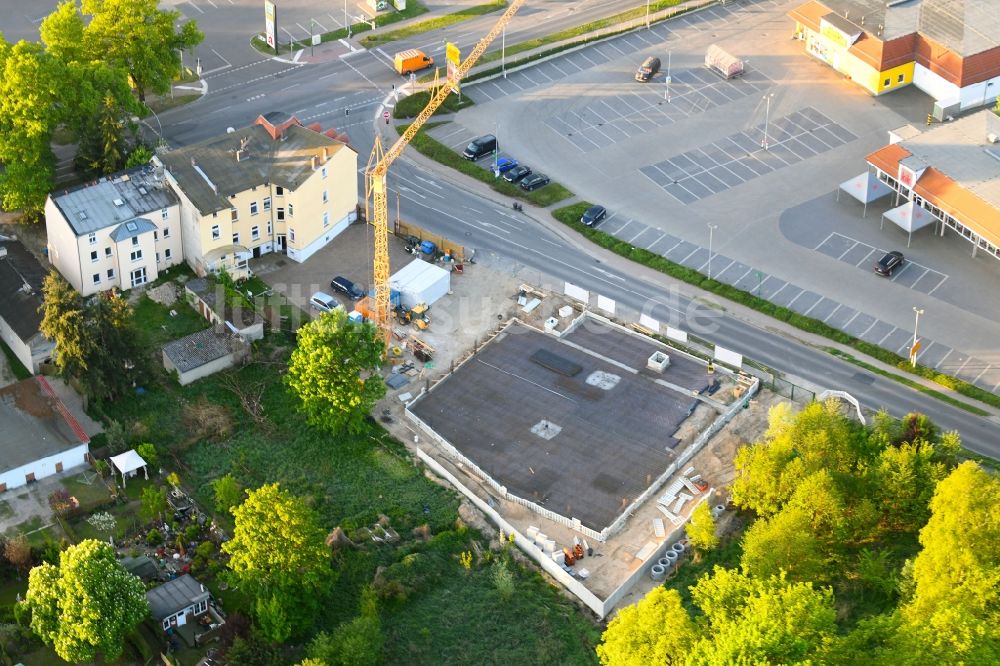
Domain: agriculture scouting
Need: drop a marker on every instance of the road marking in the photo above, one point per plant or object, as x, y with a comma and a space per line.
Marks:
623, 228
842, 254
553, 63
961, 367
689, 255
821, 299
938, 284
887, 335
414, 192
848, 322
938, 364
870, 326
839, 305
212, 3
612, 45
630, 242
322, 27
188, 2
229, 64
584, 56
650, 246
375, 85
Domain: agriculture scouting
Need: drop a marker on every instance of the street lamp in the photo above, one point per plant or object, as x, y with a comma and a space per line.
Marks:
503, 52
711, 232
666, 89
767, 118
647, 14
347, 23
913, 350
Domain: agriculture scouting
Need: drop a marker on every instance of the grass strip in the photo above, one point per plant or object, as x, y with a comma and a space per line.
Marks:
436, 23
570, 216
413, 8
563, 35
14, 362
943, 397
410, 107
429, 147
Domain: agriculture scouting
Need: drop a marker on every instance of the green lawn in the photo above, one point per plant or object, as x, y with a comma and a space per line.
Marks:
90, 495
437, 151
158, 327
410, 107
350, 480
369, 41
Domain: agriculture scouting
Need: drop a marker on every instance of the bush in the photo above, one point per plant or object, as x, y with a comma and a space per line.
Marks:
154, 537
503, 579
410, 107
205, 549
191, 532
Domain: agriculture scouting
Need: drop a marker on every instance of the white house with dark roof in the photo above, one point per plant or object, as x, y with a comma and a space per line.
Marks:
119, 231
21, 279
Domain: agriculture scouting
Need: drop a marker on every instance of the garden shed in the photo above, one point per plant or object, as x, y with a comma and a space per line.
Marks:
722, 62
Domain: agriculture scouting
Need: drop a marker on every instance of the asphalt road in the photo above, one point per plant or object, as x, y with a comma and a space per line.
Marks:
438, 200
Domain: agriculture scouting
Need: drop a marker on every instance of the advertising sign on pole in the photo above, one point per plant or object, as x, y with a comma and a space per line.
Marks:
454, 58
270, 23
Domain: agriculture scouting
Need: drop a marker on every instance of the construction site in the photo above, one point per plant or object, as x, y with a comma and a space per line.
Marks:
587, 440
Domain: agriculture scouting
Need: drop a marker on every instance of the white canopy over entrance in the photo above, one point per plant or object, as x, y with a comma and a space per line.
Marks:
865, 187
127, 463
908, 217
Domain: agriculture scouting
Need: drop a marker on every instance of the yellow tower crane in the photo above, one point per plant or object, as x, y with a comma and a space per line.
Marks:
378, 166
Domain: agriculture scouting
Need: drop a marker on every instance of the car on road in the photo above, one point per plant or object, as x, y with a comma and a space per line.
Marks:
346, 287
889, 262
648, 69
324, 302
517, 173
505, 164
534, 181
593, 215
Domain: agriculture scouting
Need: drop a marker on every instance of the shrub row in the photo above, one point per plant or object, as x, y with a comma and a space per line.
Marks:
570, 215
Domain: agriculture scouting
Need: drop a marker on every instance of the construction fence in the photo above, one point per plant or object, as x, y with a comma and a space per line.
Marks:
408, 230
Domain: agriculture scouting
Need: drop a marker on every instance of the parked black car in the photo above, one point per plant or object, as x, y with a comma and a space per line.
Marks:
534, 181
648, 69
479, 147
346, 287
517, 173
593, 215
888, 263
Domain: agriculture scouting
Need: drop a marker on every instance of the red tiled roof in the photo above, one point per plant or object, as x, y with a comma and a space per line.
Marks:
945, 193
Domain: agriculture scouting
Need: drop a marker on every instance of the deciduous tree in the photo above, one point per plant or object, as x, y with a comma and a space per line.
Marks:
657, 630
87, 605
278, 552
154, 503
228, 493
701, 529
334, 371
141, 38
955, 608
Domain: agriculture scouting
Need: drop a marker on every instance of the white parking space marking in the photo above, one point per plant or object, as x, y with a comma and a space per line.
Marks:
894, 329
199, 9
839, 305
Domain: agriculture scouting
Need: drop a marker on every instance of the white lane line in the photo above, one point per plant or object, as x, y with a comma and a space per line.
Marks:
689, 255
887, 335
862, 334
848, 323
938, 364
823, 242
961, 367
612, 45
789, 306
623, 227
200, 10
839, 305
821, 299
631, 241
938, 284
558, 68
413, 192
650, 246
322, 27
666, 252
212, 3
988, 366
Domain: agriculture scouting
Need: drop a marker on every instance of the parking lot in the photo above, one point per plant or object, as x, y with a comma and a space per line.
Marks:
673, 165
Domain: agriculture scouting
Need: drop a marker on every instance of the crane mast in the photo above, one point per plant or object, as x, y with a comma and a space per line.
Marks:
378, 167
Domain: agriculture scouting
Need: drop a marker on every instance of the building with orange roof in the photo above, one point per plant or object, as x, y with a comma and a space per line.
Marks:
952, 171
950, 49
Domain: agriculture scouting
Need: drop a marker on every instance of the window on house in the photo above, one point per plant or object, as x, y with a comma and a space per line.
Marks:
234, 214
267, 203
326, 219
253, 207
138, 276
900, 78
156, 235
164, 213
291, 210
135, 241
136, 255
236, 238
279, 191
255, 232
268, 228
215, 232
166, 254
291, 235
166, 232
157, 257
280, 214
323, 171
92, 238
93, 255
325, 198
887, 82
97, 278
107, 252
111, 274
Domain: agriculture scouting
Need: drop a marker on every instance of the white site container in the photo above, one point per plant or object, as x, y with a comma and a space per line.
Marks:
420, 282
